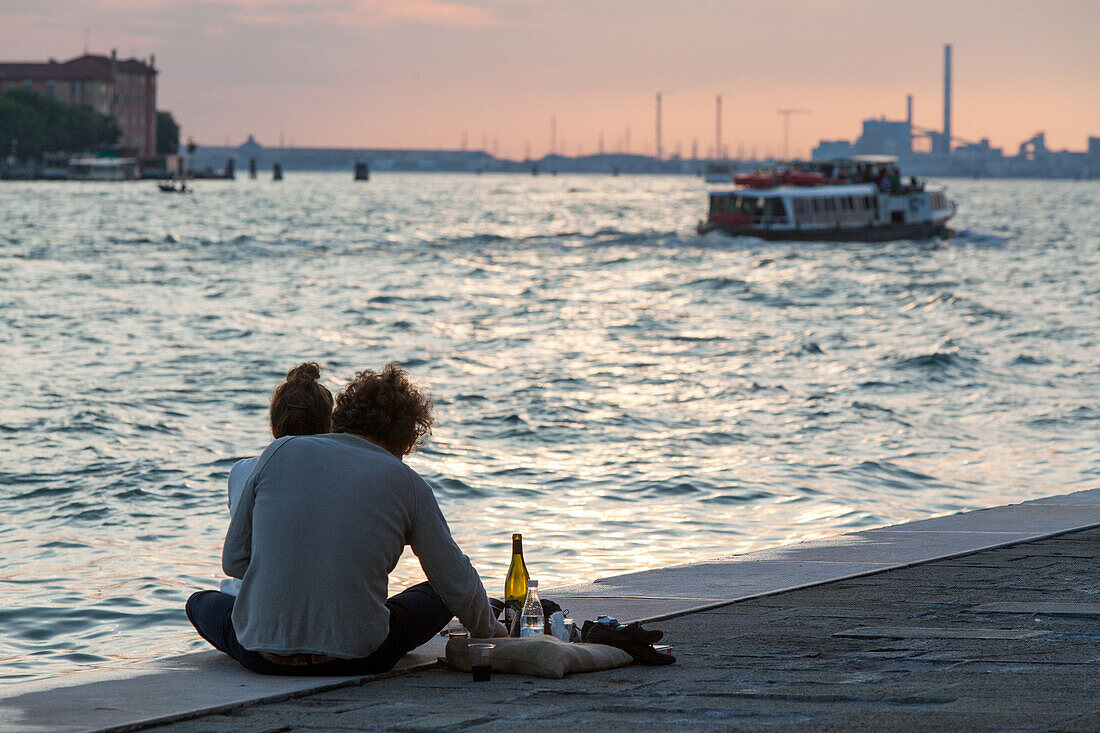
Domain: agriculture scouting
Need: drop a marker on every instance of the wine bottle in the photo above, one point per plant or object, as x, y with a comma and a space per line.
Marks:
515, 586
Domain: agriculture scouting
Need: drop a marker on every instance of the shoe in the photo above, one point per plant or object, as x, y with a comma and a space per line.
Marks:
635, 631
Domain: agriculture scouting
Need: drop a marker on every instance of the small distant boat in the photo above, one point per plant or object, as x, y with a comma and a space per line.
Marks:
854, 199
178, 182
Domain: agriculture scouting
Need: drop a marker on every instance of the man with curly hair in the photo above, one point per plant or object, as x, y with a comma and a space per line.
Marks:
322, 521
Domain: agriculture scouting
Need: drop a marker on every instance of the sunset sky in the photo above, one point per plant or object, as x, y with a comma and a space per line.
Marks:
422, 73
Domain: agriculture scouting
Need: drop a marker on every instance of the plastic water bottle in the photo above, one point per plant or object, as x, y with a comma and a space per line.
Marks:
531, 620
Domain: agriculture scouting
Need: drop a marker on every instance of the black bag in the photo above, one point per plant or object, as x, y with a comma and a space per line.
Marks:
632, 639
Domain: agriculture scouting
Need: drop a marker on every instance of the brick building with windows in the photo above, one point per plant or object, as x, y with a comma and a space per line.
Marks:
124, 90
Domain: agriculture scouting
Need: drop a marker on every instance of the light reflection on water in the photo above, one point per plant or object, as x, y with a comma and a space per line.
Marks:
625, 393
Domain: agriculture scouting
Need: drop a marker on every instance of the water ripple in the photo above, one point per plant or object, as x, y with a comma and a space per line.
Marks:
625, 393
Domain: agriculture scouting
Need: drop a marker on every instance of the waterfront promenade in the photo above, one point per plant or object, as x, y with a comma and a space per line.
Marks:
986, 620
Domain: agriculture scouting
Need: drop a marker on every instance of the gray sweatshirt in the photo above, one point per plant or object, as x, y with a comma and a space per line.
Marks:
322, 521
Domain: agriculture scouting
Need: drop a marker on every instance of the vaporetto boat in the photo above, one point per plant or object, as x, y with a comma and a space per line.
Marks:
856, 199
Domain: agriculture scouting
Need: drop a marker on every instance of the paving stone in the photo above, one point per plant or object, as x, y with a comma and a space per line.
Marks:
1087, 723
1040, 608
910, 632
920, 721
820, 612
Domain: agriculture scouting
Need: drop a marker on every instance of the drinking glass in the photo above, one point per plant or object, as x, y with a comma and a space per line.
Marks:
481, 660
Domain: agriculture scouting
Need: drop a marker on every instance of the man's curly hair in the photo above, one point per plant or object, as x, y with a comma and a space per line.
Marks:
386, 408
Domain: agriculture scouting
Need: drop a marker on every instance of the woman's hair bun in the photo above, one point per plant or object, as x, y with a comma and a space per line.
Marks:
304, 373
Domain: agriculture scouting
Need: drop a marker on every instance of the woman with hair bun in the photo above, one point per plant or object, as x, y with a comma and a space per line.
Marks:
299, 406
322, 521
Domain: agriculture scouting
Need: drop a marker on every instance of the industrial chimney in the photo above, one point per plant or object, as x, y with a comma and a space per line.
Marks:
909, 124
947, 98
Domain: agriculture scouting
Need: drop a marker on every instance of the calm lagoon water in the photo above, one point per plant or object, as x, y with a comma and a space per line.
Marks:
625, 393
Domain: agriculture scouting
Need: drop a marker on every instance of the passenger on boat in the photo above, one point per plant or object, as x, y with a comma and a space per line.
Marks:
884, 181
895, 182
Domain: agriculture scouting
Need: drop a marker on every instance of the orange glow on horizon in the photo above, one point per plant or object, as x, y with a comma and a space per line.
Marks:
432, 73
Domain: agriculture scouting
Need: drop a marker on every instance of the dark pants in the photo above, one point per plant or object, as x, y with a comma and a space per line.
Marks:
416, 615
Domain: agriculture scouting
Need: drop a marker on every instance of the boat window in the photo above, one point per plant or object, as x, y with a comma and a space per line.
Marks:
776, 209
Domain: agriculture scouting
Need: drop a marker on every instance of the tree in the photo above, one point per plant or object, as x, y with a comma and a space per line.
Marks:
42, 124
168, 134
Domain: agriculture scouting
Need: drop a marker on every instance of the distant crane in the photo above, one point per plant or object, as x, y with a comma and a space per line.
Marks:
787, 127
658, 130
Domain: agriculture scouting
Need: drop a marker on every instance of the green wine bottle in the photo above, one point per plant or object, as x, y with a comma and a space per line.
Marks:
515, 586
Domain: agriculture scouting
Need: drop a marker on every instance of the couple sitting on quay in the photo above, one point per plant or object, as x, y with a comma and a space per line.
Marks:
320, 519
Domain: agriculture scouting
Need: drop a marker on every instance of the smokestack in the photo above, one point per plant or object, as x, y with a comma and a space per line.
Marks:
947, 98
718, 130
909, 124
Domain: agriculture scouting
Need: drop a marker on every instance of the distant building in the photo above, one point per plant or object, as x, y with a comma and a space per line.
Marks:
885, 137
124, 90
833, 149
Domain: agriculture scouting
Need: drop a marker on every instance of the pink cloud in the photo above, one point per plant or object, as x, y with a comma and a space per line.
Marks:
437, 12
353, 13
